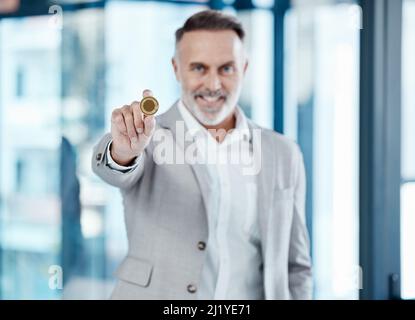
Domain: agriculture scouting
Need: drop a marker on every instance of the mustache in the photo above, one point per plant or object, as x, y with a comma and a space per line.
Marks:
210, 94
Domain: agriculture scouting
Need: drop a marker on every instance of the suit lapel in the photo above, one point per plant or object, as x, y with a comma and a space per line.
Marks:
169, 120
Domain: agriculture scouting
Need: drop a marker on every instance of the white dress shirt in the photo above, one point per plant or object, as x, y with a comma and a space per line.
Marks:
232, 269
113, 165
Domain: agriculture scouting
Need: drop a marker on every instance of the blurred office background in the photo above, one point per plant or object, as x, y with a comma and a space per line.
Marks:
336, 76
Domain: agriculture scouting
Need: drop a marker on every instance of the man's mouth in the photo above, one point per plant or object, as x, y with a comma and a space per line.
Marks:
210, 102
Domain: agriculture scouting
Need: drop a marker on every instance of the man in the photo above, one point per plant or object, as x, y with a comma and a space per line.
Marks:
201, 229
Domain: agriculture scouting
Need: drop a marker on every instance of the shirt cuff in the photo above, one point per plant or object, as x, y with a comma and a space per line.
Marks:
115, 166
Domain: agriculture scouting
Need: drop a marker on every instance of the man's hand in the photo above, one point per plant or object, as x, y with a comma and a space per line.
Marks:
131, 132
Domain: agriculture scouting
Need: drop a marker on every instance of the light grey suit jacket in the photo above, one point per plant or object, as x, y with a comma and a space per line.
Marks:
166, 208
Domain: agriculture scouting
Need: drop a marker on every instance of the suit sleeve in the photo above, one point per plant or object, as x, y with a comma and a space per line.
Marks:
299, 263
116, 178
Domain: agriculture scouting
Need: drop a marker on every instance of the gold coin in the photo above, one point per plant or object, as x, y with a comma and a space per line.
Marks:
149, 106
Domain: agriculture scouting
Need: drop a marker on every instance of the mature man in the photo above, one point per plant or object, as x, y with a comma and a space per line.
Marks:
200, 229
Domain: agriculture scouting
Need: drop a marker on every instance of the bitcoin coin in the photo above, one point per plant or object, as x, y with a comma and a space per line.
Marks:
149, 105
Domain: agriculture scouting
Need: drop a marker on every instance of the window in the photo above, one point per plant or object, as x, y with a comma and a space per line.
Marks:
58, 88
257, 94
322, 113
30, 210
408, 153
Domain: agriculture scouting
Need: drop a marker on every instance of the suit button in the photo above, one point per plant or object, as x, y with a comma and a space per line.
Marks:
201, 245
191, 288
99, 157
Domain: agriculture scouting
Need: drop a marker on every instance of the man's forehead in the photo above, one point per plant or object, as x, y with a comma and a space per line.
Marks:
204, 44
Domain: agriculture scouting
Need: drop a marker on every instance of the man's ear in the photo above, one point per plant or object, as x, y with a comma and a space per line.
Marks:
246, 66
175, 68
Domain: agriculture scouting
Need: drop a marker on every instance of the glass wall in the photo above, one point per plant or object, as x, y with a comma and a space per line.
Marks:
321, 112
257, 96
408, 153
30, 140
62, 230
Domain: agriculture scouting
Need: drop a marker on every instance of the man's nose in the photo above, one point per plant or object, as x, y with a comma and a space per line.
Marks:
213, 82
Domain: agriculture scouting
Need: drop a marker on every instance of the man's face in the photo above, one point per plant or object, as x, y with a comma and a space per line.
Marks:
210, 66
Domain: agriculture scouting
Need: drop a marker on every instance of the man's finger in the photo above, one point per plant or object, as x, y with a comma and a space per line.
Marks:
129, 123
138, 117
117, 120
147, 93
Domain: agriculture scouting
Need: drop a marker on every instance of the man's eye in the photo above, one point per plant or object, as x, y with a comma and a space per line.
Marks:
198, 68
228, 69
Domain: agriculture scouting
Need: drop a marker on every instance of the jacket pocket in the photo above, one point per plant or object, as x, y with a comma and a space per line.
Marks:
135, 270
